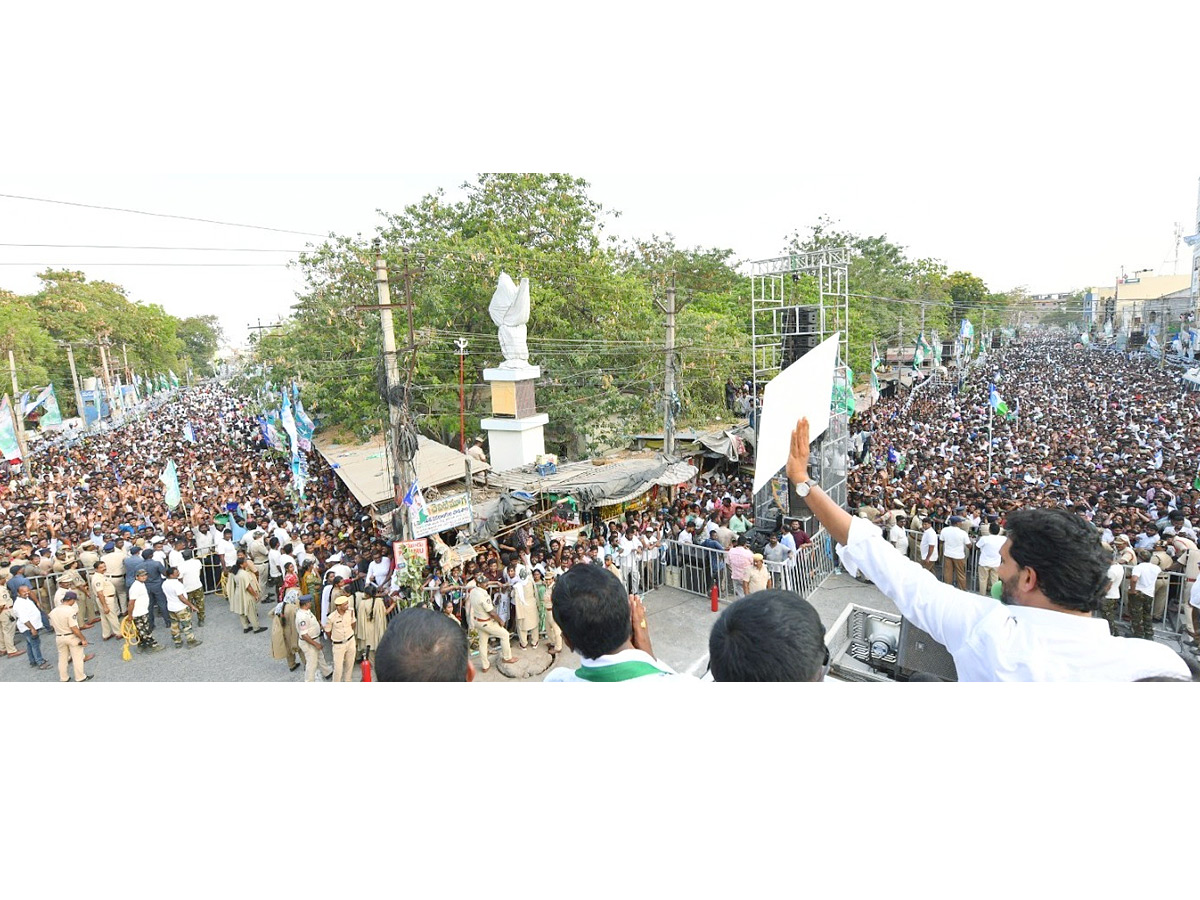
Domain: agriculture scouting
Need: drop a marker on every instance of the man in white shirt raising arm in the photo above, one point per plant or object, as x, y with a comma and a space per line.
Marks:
1053, 570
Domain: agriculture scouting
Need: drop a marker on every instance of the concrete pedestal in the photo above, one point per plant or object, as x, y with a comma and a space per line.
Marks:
515, 430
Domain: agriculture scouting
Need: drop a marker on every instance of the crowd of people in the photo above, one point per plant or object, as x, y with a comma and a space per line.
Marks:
1106, 435
86, 537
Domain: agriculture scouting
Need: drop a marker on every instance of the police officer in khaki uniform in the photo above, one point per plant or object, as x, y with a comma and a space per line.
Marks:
8, 623
260, 556
1165, 561
310, 640
64, 619
340, 628
106, 596
114, 562
483, 619
553, 632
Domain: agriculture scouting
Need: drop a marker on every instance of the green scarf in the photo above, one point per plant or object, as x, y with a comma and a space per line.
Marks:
624, 671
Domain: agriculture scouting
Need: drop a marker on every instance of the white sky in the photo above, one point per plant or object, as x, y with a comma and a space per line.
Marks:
1028, 147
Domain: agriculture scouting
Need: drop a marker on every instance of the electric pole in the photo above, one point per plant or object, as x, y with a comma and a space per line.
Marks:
104, 373
670, 309
461, 344
75, 384
400, 523
17, 407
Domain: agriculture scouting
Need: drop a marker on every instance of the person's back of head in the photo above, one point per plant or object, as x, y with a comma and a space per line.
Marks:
770, 635
423, 645
591, 606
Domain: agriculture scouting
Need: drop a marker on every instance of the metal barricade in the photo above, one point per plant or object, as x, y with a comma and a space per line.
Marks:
940, 570
1169, 610
696, 569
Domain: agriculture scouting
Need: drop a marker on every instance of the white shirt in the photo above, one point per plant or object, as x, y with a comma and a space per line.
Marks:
173, 587
139, 599
929, 541
993, 642
228, 551
1145, 574
189, 574
27, 614
1194, 597
954, 541
205, 540
1116, 574
989, 549
378, 571
899, 538
273, 557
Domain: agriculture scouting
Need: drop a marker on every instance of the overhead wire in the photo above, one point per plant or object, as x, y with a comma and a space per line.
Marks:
142, 212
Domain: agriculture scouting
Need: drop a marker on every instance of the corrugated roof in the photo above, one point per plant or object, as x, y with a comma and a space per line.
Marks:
364, 467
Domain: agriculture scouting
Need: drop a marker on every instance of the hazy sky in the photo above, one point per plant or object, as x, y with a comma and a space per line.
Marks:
1031, 147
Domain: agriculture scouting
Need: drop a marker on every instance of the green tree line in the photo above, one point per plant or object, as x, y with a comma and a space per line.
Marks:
70, 309
596, 327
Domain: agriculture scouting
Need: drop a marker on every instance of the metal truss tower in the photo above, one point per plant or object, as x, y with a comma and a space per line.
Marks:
789, 317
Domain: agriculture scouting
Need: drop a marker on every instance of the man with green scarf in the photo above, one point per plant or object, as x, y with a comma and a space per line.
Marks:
607, 628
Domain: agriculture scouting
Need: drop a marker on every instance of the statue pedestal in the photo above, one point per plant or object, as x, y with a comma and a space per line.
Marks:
515, 435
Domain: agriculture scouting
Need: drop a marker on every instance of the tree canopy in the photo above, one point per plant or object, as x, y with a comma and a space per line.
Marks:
70, 309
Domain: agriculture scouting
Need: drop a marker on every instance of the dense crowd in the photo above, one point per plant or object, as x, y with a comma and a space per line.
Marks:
1106, 435
85, 528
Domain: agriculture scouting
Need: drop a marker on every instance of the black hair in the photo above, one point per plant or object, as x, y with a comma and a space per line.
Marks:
1065, 551
422, 645
770, 635
173, 569
147, 553
591, 607
994, 528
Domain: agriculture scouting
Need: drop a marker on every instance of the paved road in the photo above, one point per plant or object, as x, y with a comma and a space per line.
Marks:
226, 654
679, 624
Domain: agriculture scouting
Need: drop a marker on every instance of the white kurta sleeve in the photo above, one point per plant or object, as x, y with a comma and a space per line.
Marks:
948, 614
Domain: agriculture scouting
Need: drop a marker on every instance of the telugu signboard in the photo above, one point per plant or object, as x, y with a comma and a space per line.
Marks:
418, 548
438, 515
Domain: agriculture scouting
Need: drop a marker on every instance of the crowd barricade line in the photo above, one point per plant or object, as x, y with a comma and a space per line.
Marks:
695, 569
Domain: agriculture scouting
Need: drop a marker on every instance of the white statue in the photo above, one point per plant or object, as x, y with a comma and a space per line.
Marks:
509, 309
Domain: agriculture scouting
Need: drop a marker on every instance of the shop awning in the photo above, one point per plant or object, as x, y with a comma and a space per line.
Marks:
364, 469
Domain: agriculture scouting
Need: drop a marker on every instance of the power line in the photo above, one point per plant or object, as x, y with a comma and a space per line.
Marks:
142, 212
157, 247
101, 265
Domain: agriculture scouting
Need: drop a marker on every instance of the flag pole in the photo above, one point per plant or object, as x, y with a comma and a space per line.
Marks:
991, 412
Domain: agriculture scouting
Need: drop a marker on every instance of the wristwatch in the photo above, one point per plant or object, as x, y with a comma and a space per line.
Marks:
803, 487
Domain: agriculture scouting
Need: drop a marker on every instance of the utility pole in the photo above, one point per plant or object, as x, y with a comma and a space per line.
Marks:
104, 374
75, 384
900, 357
670, 309
18, 412
400, 524
125, 357
461, 344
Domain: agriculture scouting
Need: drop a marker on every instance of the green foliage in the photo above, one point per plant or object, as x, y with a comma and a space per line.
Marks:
201, 336
69, 308
888, 290
594, 328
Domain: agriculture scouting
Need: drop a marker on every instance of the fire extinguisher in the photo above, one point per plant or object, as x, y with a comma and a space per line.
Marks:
366, 667
712, 595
